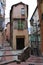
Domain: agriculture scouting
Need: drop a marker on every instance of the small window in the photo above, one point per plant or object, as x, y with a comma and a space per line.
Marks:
42, 16
0, 5
0, 11
22, 11
39, 25
0, 45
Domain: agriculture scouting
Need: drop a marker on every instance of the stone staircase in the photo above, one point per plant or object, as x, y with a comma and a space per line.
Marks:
18, 57
7, 54
25, 54
35, 59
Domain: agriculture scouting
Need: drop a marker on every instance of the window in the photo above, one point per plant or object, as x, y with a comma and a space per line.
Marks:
22, 11
1, 22
39, 25
39, 38
0, 11
20, 24
42, 16
0, 5
34, 29
0, 46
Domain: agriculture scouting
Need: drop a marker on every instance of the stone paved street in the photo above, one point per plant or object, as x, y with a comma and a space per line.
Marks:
32, 60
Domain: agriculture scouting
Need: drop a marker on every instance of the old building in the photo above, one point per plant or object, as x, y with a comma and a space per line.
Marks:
40, 10
19, 26
2, 13
35, 32
7, 31
2, 16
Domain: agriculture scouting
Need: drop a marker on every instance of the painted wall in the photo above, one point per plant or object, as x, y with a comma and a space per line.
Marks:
20, 34
17, 11
8, 31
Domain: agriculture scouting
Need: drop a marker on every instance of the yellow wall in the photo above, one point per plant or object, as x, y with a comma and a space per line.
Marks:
20, 33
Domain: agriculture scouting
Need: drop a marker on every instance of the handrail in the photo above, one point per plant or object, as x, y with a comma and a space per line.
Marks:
7, 50
11, 61
25, 54
10, 55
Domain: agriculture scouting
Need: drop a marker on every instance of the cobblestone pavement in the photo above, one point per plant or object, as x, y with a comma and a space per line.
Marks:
7, 50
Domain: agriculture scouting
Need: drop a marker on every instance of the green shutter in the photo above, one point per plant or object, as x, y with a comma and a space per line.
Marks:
22, 25
18, 24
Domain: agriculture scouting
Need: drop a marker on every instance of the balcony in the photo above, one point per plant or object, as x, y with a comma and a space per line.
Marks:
20, 24
20, 27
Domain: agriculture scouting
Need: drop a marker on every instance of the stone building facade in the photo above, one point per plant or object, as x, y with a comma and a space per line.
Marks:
19, 26
35, 32
2, 17
7, 32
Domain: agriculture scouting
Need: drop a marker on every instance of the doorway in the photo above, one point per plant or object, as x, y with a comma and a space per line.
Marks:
19, 43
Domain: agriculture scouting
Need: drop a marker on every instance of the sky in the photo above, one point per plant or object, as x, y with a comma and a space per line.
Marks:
31, 3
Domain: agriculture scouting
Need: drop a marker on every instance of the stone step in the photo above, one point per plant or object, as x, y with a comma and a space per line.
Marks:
25, 54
